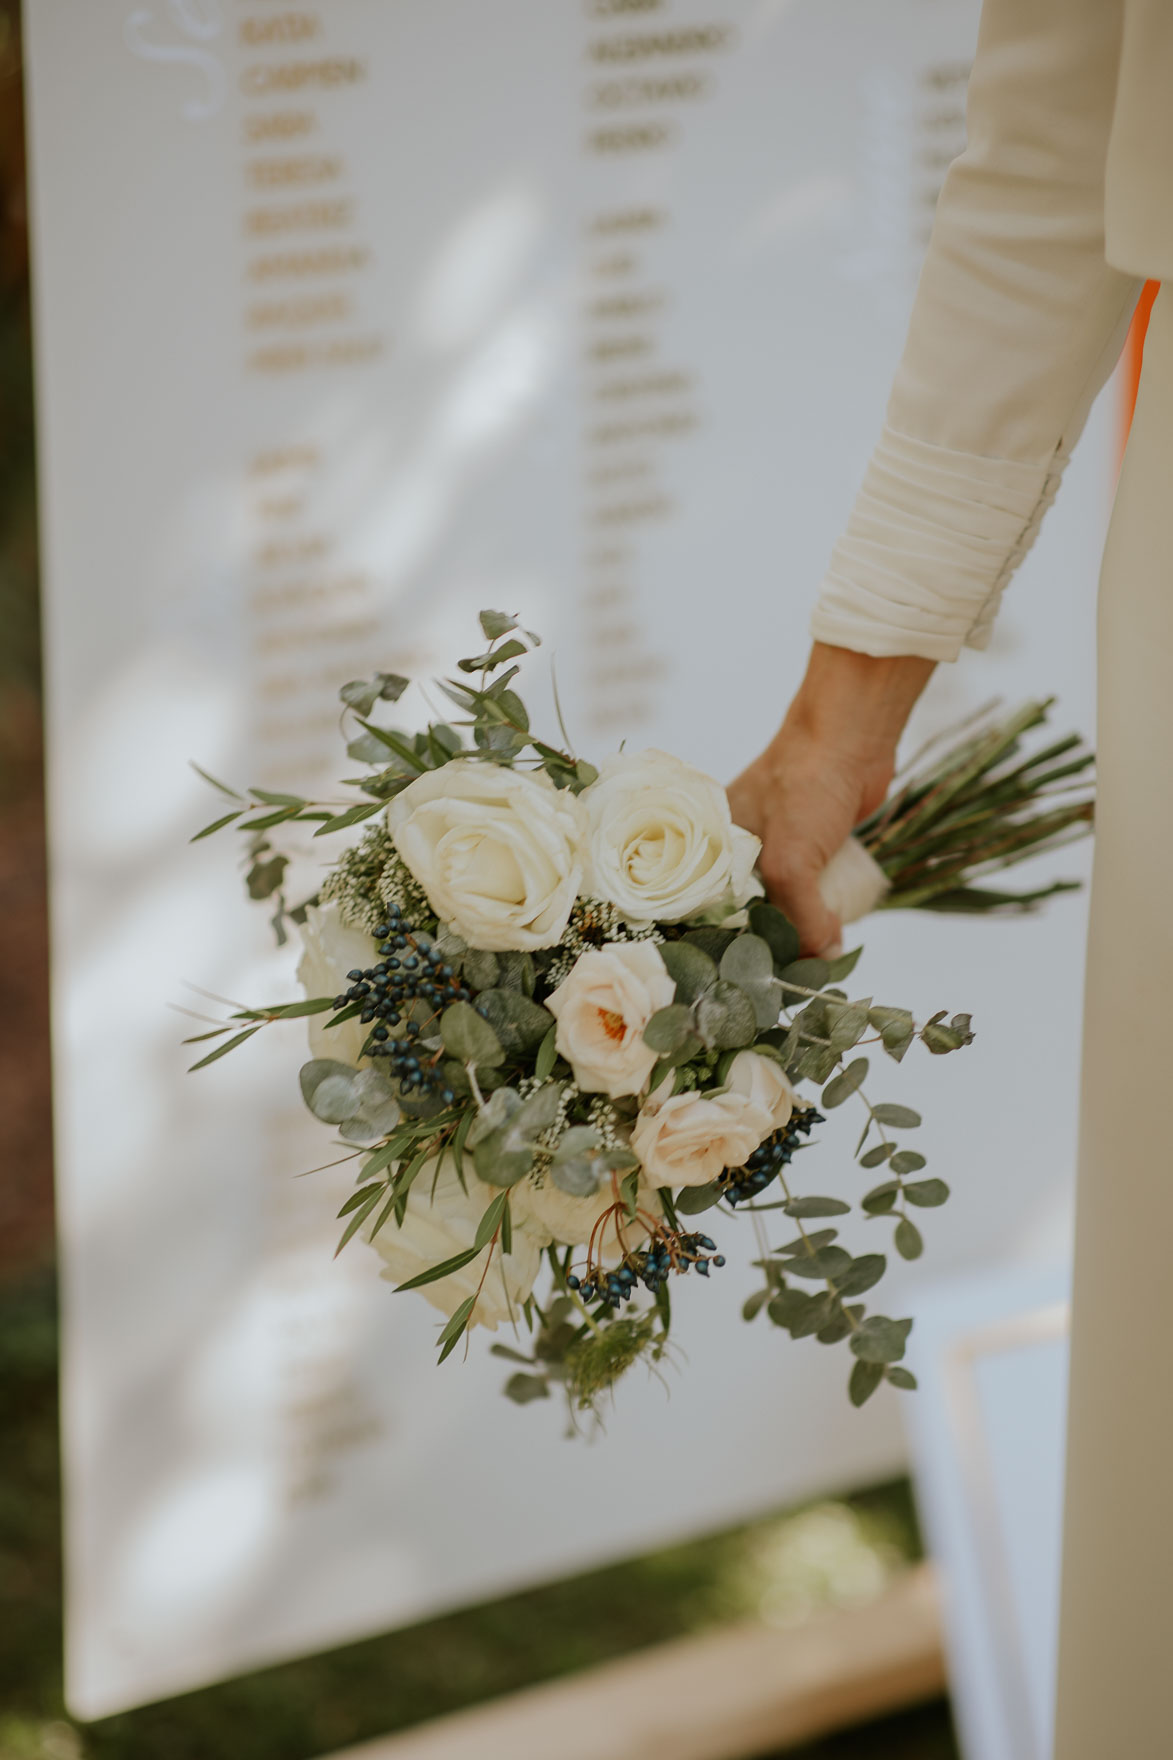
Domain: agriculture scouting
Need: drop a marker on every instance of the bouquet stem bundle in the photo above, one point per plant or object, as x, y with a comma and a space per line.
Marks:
977, 809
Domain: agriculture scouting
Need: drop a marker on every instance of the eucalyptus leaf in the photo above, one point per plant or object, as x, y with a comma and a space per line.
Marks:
881, 1199
907, 1161
865, 1378
538, 1110
927, 1193
468, 1036
865, 1272
777, 931
843, 1086
576, 1175
375, 1101
519, 1024
523, 1389
847, 1023
495, 624
903, 1378
725, 1017
748, 963
941, 1039
814, 1313
501, 1107
899, 1118
880, 1340
328, 1089
711, 938
501, 1160
812, 1207
670, 1029
692, 971
896, 1028
480, 968
907, 1239
876, 1157
831, 1263
807, 974
844, 966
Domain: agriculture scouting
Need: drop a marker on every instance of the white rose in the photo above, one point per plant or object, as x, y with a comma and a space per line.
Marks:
661, 845
441, 1223
686, 1139
572, 1221
330, 949
602, 1008
497, 851
763, 1081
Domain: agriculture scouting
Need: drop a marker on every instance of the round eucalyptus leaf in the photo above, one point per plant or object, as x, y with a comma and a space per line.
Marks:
725, 1017
480, 968
360, 1129
468, 1037
576, 1141
333, 1098
747, 960
499, 1165
519, 1024
311, 1076
576, 1176
692, 971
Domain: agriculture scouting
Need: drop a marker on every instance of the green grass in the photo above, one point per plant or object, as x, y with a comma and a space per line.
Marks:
782, 1568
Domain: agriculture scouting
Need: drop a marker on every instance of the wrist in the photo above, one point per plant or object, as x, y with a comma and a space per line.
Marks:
858, 701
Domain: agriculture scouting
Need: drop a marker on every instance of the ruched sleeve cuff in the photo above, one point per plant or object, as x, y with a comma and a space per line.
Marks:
933, 538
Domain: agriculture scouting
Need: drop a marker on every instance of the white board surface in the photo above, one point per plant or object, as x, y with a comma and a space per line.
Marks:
350, 320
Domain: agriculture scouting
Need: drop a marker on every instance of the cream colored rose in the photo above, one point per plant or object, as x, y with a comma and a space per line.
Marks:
330, 949
441, 1223
602, 1008
661, 845
763, 1081
686, 1139
497, 851
572, 1222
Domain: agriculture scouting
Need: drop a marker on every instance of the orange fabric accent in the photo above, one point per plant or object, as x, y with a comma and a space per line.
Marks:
1132, 359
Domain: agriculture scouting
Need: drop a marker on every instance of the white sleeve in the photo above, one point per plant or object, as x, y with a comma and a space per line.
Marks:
1017, 323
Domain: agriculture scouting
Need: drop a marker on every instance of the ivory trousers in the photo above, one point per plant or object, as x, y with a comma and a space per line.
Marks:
1115, 1695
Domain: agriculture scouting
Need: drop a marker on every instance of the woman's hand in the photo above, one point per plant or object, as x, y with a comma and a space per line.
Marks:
829, 765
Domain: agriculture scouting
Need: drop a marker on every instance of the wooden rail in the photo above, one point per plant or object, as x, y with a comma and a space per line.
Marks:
728, 1694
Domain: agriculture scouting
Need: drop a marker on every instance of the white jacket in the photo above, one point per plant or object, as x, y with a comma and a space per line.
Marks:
1061, 203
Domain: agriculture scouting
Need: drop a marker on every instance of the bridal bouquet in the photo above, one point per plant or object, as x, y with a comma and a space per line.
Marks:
568, 1043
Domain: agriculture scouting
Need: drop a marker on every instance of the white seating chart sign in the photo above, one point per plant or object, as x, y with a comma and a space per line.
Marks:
351, 319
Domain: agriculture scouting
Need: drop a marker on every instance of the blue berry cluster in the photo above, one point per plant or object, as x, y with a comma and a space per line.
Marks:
741, 1183
409, 970
651, 1266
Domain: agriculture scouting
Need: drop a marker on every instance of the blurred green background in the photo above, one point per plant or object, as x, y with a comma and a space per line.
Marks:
782, 1569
